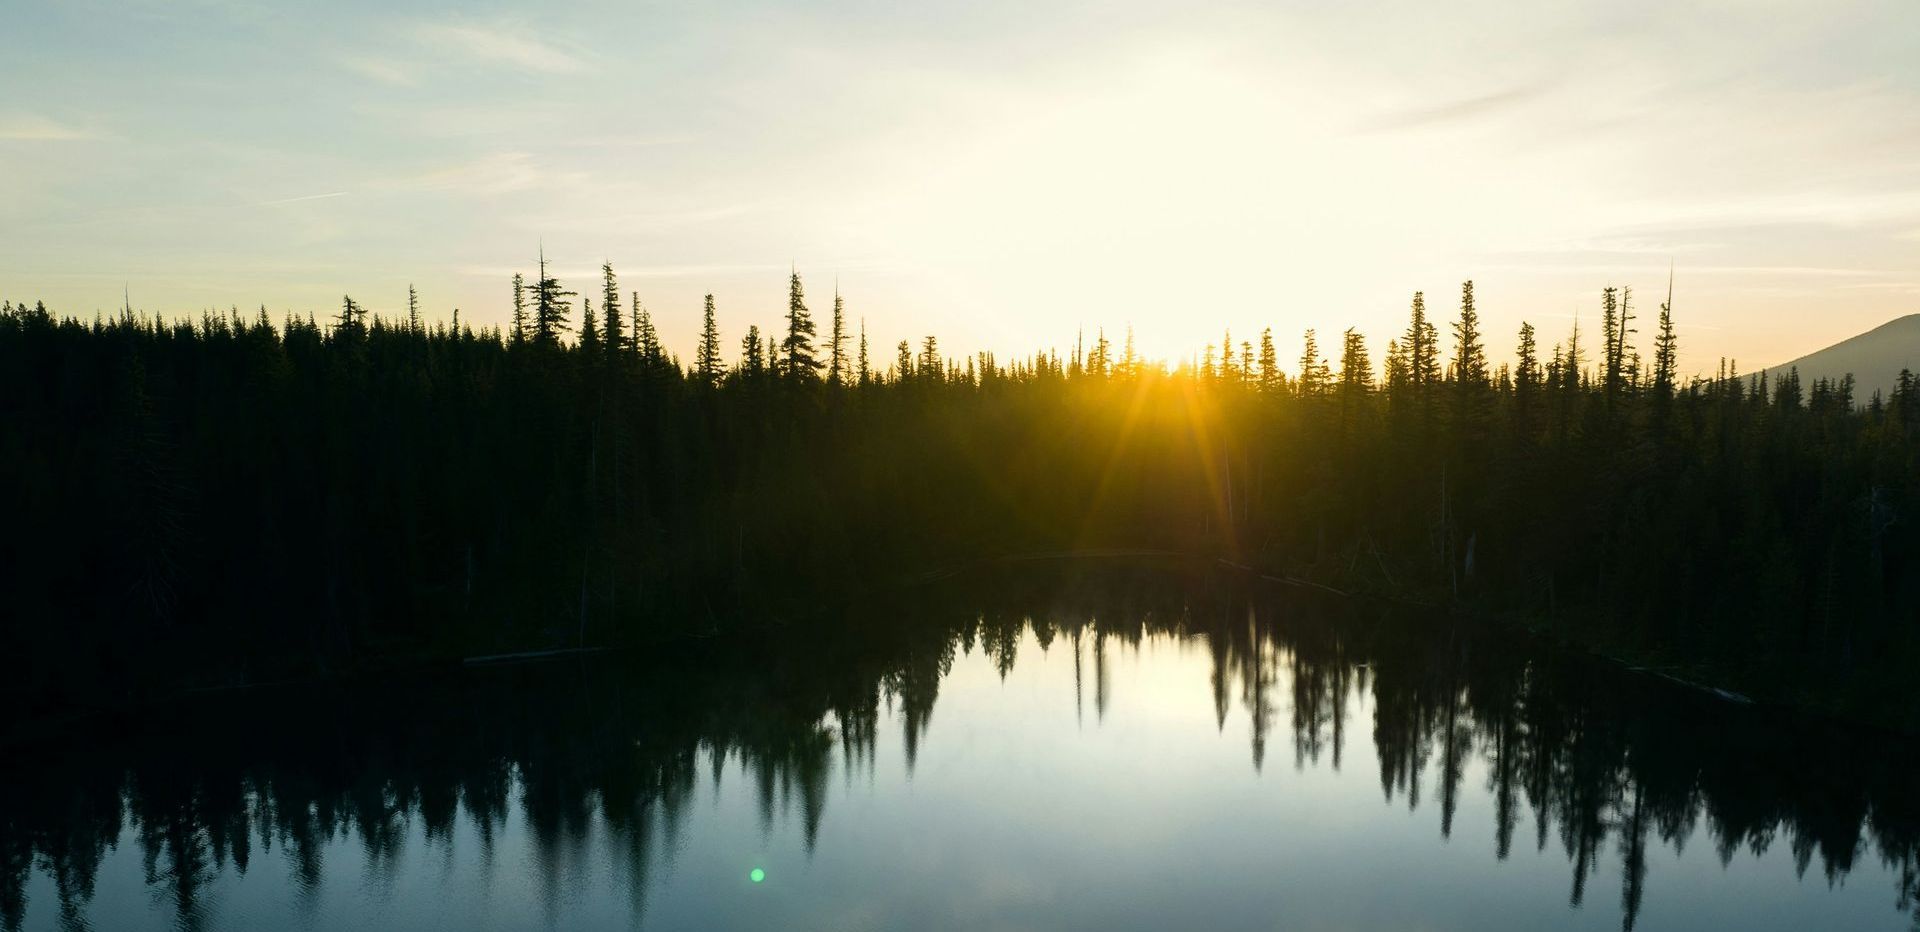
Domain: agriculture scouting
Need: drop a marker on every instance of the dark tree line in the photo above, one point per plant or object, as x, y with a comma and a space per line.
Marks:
238, 498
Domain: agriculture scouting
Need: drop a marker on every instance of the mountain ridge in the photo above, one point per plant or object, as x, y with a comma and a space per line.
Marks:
1874, 358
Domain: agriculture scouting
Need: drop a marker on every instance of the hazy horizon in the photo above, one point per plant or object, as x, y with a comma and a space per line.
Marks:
994, 174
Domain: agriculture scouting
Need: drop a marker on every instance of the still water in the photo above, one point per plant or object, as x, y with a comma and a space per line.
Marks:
1090, 756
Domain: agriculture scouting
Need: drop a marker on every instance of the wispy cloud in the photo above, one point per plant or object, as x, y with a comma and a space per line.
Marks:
29, 127
503, 44
385, 72
1450, 112
497, 173
303, 197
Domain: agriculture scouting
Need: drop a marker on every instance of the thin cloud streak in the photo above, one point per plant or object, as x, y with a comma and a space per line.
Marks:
503, 44
381, 71
1454, 112
31, 127
303, 197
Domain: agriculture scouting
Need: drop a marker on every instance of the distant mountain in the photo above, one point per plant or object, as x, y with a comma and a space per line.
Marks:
1875, 358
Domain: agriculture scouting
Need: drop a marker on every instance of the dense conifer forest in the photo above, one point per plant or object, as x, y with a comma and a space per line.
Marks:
241, 498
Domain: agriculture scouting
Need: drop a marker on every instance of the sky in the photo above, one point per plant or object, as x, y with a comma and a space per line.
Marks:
999, 173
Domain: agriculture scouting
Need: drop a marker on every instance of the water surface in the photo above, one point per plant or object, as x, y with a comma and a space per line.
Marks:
1115, 753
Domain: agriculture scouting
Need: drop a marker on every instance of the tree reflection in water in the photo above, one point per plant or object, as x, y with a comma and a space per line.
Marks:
1607, 765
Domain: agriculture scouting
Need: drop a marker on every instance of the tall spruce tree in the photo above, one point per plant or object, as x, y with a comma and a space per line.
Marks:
519, 308
1666, 352
352, 320
707, 365
646, 339
1526, 384
753, 358
616, 342
865, 373
1422, 346
796, 349
1269, 363
1356, 369
589, 329
1470, 354
837, 355
550, 307
1315, 377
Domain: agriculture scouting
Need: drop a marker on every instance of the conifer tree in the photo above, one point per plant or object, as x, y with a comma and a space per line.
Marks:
753, 360
1356, 370
1269, 364
352, 318
1422, 347
930, 362
1314, 373
797, 348
865, 373
837, 356
1666, 352
1526, 383
1470, 356
616, 342
550, 307
589, 329
903, 365
413, 309
519, 308
707, 363
646, 339
1572, 362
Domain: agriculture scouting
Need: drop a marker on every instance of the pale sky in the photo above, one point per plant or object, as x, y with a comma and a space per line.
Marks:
996, 172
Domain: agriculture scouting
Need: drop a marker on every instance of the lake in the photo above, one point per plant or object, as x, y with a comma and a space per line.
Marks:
1115, 750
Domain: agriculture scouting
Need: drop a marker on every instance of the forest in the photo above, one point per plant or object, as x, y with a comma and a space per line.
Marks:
241, 499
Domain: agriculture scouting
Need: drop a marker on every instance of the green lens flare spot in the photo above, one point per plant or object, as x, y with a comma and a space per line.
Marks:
756, 875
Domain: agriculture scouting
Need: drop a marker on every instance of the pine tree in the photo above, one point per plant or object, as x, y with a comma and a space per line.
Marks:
646, 339
519, 308
1356, 377
797, 348
1314, 373
753, 360
1421, 345
903, 365
865, 374
352, 318
837, 357
1356, 369
1470, 356
930, 362
1227, 373
1526, 383
707, 363
1269, 364
1666, 352
413, 309
589, 329
550, 307
616, 342
1129, 358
